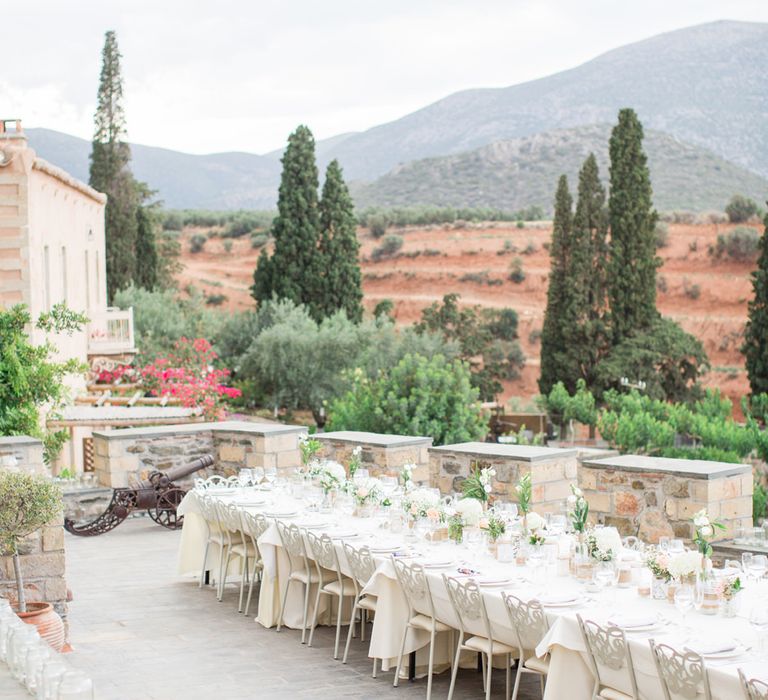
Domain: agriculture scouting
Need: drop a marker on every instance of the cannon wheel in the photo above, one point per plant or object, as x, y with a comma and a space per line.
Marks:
164, 512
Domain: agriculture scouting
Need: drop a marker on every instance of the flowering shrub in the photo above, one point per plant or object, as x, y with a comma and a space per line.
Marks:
118, 374
187, 374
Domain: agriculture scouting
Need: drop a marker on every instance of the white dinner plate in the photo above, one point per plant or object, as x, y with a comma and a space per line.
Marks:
553, 603
313, 524
384, 548
342, 534
493, 580
220, 491
437, 563
281, 513
737, 650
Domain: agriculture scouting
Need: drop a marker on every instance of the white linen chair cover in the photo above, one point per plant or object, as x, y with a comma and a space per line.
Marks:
415, 587
530, 625
469, 606
683, 675
609, 658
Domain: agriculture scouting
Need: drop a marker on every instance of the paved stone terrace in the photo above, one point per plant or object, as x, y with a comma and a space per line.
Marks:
143, 634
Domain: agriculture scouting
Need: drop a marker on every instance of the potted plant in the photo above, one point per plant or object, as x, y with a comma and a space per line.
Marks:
27, 503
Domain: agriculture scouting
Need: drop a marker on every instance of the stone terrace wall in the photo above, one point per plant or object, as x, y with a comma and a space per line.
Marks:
42, 553
381, 454
653, 497
122, 457
552, 470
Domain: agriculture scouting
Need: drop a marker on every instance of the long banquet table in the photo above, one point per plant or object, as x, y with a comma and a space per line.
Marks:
569, 675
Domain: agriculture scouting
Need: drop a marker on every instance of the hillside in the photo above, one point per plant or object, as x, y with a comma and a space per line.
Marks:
708, 297
706, 85
518, 173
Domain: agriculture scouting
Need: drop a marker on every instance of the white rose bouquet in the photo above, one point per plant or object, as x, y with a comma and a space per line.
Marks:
536, 527
422, 503
330, 474
684, 564
367, 491
605, 543
705, 532
470, 510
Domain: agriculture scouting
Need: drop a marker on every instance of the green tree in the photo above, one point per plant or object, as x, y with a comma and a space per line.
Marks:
31, 383
110, 172
556, 360
339, 248
586, 333
740, 209
148, 266
633, 260
755, 346
419, 396
294, 269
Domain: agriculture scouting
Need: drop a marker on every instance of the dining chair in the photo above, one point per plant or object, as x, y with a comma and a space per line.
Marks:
331, 582
469, 607
632, 542
530, 624
299, 569
415, 587
363, 567
683, 675
213, 534
609, 658
753, 688
254, 526
237, 546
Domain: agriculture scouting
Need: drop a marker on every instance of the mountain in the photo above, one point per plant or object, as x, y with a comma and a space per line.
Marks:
183, 180
707, 85
518, 173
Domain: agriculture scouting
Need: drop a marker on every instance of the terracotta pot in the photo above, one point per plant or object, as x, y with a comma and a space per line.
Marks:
48, 623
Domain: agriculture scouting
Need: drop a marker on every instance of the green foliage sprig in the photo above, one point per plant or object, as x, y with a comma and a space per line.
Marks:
524, 493
479, 483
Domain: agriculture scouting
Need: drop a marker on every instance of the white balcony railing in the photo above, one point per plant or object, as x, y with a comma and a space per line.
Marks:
111, 332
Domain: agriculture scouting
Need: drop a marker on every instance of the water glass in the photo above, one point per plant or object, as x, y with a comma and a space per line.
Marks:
664, 544
758, 566
684, 599
257, 474
746, 562
361, 475
270, 474
758, 618
244, 477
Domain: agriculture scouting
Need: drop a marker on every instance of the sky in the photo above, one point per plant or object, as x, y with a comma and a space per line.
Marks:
240, 75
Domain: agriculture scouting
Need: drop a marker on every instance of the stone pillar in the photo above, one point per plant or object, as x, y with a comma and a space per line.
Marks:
42, 552
122, 457
552, 470
381, 453
653, 497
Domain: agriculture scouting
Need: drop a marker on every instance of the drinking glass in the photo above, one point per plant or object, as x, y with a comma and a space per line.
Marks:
758, 618
557, 524
684, 598
746, 562
270, 474
244, 477
758, 566
388, 484
361, 475
75, 686
257, 474
664, 544
676, 547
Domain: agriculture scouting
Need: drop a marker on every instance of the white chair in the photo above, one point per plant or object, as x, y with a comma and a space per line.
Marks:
469, 606
254, 526
610, 658
415, 587
213, 534
531, 626
363, 567
299, 570
236, 546
753, 688
332, 582
683, 675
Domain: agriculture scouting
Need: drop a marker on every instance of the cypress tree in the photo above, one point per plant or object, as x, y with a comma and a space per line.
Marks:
587, 334
755, 346
633, 260
147, 267
293, 272
339, 248
110, 172
555, 362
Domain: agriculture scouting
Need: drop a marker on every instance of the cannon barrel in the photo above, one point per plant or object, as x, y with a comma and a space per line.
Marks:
180, 471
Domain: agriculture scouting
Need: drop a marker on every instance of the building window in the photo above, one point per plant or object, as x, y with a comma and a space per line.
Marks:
87, 283
64, 274
47, 276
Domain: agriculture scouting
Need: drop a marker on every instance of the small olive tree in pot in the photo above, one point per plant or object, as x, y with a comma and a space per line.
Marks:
27, 503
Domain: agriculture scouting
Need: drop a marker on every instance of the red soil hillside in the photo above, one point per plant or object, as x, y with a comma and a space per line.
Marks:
462, 259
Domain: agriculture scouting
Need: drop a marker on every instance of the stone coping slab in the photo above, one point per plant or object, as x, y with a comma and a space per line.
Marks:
10, 440
376, 439
521, 453
691, 468
264, 429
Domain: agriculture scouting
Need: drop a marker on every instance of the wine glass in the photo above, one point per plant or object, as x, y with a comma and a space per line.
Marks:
360, 475
257, 475
758, 619
684, 599
746, 561
664, 544
758, 566
245, 477
270, 474
388, 484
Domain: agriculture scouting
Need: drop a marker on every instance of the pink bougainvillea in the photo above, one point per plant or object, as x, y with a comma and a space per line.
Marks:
187, 374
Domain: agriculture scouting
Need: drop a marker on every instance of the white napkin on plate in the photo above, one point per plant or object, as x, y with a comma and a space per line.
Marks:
556, 598
706, 647
629, 620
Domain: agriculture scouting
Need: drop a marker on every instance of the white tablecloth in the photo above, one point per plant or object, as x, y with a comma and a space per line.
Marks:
569, 677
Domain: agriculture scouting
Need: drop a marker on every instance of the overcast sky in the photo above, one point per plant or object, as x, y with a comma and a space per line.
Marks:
241, 74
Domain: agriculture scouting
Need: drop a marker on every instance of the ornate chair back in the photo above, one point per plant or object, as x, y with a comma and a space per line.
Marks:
609, 656
528, 620
468, 604
683, 675
754, 689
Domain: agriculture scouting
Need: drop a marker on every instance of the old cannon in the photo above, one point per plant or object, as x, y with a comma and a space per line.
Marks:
157, 494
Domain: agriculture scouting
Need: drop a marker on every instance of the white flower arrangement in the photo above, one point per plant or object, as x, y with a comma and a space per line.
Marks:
470, 510
605, 543
406, 476
367, 491
422, 503
684, 564
330, 474
534, 521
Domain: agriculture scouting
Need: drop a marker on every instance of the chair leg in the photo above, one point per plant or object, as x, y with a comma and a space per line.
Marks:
518, 675
250, 587
349, 634
363, 620
243, 577
455, 669
221, 564
223, 577
205, 561
314, 612
282, 606
508, 676
306, 613
400, 658
541, 683
431, 660
488, 672
338, 627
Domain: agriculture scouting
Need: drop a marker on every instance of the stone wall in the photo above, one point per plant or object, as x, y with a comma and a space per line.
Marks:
653, 497
42, 552
381, 454
122, 457
552, 470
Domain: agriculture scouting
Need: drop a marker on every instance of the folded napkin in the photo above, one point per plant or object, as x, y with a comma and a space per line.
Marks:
628, 620
707, 647
555, 598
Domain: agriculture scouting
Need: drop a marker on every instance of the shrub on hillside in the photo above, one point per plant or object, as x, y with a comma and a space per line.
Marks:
197, 242
377, 225
740, 244
661, 233
259, 240
389, 246
740, 209
172, 221
516, 272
